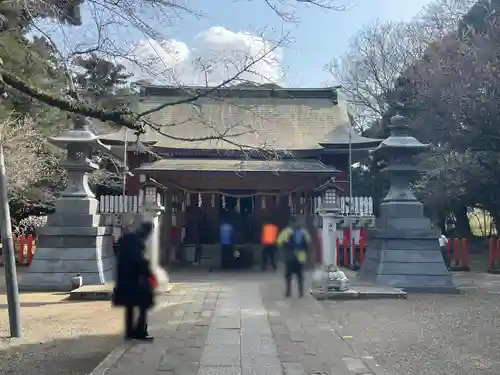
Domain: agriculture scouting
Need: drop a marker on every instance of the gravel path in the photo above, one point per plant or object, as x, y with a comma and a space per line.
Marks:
58, 337
426, 334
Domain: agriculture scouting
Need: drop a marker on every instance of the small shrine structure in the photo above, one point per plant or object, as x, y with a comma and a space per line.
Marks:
250, 153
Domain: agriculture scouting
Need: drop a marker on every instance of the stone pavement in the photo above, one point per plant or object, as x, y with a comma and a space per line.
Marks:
238, 325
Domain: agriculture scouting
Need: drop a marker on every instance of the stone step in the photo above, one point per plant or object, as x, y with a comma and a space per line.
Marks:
103, 292
92, 293
357, 292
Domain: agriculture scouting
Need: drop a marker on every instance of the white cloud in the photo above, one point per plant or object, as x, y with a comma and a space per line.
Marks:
216, 55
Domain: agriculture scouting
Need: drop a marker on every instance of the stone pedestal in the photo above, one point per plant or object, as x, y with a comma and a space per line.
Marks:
151, 213
76, 240
403, 251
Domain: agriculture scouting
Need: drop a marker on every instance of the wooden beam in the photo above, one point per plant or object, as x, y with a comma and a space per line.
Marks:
264, 182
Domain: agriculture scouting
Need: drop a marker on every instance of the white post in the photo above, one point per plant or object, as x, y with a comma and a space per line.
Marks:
125, 168
328, 237
328, 278
351, 203
151, 213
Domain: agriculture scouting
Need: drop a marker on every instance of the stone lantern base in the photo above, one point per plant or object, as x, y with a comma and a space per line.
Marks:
72, 243
327, 279
403, 252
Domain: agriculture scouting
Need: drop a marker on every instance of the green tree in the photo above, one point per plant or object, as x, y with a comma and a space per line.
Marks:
102, 82
449, 89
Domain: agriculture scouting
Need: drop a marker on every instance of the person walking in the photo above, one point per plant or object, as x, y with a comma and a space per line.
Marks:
135, 283
268, 241
443, 242
294, 241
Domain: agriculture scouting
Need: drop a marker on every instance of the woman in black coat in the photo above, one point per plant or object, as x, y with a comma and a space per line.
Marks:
133, 289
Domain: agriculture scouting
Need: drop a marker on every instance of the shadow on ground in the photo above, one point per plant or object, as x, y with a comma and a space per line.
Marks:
68, 356
80, 355
4, 306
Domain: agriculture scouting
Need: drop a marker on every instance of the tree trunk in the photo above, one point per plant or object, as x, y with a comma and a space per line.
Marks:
441, 223
463, 225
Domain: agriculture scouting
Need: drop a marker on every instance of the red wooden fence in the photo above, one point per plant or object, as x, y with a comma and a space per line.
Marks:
458, 253
494, 255
24, 248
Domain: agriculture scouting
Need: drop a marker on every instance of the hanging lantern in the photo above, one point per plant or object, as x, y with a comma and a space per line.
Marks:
213, 200
188, 199
200, 200
238, 205
224, 202
290, 201
263, 202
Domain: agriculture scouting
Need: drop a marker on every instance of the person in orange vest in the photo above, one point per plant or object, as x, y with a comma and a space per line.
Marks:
268, 240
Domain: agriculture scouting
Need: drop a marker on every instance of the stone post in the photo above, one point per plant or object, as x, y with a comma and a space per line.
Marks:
329, 237
77, 241
151, 211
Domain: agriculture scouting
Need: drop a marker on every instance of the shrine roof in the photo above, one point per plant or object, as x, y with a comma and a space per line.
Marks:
239, 118
234, 165
339, 138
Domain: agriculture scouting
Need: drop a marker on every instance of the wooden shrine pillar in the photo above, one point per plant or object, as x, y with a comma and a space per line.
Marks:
210, 211
261, 207
217, 213
179, 222
283, 210
296, 204
300, 204
313, 231
166, 230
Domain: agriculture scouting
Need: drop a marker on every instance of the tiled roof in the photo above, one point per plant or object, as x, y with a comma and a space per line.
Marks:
268, 118
233, 165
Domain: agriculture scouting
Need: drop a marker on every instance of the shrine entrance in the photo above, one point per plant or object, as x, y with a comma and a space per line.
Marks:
204, 199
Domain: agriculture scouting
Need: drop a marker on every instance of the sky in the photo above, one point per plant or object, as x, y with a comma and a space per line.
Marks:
319, 36
231, 32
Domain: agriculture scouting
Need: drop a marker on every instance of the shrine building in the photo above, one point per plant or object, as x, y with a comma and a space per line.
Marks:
247, 153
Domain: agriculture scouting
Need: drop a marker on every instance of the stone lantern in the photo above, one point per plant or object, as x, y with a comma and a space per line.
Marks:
329, 213
327, 276
404, 250
76, 240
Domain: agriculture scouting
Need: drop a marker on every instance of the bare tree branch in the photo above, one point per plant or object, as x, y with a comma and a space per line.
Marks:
383, 51
29, 158
286, 9
108, 36
224, 83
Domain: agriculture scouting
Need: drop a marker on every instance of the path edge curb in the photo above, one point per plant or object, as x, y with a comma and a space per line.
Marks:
110, 360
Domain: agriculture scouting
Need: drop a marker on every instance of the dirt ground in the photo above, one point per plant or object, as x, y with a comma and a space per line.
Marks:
59, 337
